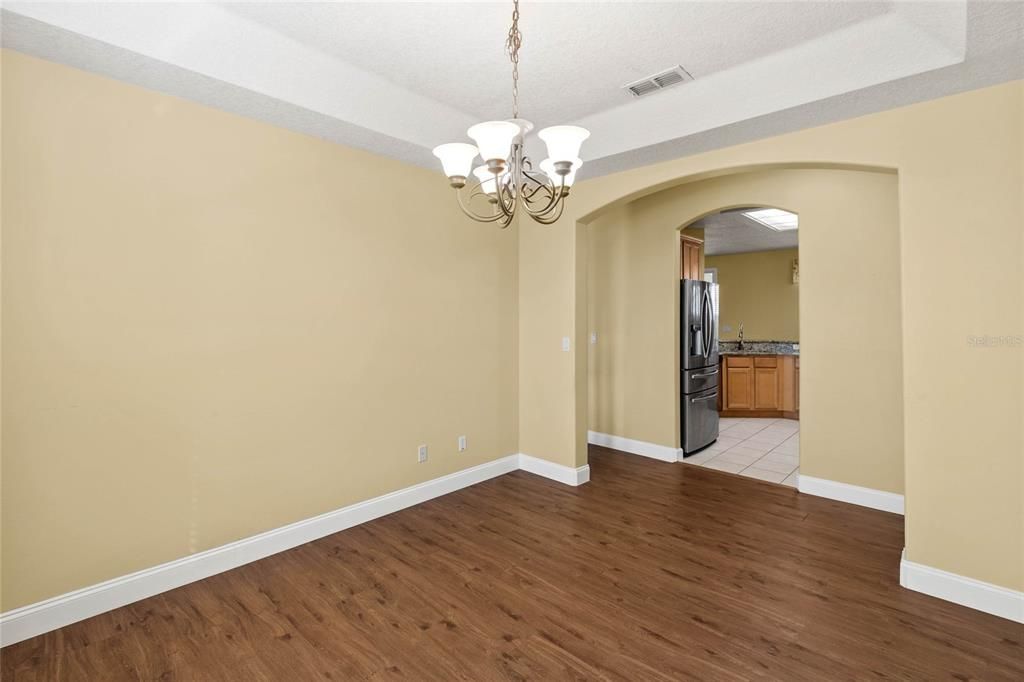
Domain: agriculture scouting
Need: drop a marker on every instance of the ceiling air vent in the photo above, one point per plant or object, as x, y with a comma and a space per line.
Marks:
658, 81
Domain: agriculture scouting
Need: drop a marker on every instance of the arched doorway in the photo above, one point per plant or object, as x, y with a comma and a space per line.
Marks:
632, 386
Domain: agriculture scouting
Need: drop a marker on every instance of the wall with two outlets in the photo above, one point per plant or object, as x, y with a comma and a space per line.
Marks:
213, 327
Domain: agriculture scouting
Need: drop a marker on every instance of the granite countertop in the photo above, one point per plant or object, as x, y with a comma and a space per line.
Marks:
759, 348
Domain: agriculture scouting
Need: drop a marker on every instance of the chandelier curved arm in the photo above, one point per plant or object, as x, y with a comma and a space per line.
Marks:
545, 219
475, 191
535, 186
541, 180
506, 196
555, 199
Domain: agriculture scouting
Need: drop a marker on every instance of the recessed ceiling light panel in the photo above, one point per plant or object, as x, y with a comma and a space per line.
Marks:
774, 218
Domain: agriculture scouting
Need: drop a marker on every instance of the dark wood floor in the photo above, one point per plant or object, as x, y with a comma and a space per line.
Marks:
653, 571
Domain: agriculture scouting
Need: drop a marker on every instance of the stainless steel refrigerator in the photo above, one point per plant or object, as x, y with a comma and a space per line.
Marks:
698, 331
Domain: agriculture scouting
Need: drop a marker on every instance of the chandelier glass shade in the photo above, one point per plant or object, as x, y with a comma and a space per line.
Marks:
494, 138
456, 158
507, 182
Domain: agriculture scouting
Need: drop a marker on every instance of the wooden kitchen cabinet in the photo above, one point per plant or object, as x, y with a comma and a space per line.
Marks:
788, 377
767, 386
738, 384
691, 250
760, 386
796, 386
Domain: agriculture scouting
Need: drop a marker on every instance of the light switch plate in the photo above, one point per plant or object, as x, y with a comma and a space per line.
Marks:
565, 344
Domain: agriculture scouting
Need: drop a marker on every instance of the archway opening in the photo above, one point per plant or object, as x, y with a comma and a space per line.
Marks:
633, 385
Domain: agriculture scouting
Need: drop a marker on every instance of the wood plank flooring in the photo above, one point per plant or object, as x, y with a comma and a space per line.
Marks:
652, 571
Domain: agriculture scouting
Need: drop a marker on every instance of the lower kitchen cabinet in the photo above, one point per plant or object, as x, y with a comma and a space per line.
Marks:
796, 386
738, 376
760, 386
790, 383
767, 387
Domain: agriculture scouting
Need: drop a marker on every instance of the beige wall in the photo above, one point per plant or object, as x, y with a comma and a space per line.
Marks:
850, 243
757, 289
959, 161
213, 327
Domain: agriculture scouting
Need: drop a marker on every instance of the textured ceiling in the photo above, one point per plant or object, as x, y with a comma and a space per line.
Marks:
399, 78
732, 232
575, 57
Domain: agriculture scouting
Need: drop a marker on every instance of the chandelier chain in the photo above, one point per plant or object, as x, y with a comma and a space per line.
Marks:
512, 45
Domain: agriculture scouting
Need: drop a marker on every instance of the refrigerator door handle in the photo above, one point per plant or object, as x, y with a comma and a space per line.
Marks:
705, 375
712, 327
703, 398
703, 333
706, 312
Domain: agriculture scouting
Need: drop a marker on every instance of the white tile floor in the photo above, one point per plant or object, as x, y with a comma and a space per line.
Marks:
768, 449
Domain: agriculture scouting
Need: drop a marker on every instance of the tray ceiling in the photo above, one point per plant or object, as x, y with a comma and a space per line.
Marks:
399, 78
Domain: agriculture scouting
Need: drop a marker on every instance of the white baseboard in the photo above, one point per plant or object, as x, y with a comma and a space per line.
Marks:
635, 447
854, 494
35, 619
556, 472
974, 594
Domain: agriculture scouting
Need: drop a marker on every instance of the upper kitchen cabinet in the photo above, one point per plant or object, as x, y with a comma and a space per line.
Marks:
691, 252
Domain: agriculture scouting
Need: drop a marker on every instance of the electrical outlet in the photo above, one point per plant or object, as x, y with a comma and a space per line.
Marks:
593, 338
565, 344
421, 456
462, 443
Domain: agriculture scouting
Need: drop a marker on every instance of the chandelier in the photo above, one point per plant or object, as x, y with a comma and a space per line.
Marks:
506, 180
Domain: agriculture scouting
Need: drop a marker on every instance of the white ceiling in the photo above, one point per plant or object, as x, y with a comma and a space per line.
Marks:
732, 232
464, 45
399, 78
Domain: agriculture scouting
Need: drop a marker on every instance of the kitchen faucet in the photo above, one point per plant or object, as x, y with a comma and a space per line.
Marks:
740, 347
